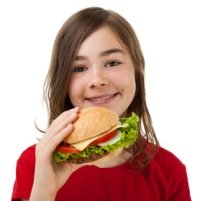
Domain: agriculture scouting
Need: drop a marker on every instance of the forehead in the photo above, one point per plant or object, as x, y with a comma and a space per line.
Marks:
100, 40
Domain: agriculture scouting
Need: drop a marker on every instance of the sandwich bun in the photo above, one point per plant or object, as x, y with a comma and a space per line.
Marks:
92, 122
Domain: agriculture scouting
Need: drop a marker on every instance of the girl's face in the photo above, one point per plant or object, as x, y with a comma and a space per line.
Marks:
103, 73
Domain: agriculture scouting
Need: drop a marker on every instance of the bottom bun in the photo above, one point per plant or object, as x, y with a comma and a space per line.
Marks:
100, 162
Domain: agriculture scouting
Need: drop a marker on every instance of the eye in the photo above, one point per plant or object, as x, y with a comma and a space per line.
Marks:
78, 69
112, 63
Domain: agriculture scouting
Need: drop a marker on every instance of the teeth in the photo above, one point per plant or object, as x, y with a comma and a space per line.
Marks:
102, 99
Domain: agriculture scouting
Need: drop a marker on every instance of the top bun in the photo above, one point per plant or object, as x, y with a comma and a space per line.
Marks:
92, 122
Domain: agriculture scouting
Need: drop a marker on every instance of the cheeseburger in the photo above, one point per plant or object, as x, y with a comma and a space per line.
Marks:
97, 132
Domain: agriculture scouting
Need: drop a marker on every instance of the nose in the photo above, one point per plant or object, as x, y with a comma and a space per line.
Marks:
98, 79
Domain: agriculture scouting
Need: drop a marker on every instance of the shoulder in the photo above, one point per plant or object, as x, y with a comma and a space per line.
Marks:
168, 158
28, 154
167, 163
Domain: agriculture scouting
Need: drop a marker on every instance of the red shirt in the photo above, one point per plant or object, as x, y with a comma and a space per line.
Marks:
164, 179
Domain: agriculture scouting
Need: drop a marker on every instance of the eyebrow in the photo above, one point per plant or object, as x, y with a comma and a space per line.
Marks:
102, 54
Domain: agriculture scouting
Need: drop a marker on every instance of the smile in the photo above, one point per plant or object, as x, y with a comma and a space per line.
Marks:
102, 99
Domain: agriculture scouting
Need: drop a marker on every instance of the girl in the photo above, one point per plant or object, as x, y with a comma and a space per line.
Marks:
97, 61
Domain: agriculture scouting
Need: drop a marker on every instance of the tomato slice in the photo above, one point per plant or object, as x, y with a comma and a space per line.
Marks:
67, 149
105, 138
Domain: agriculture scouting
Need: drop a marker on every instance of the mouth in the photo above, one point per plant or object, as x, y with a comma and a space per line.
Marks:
102, 99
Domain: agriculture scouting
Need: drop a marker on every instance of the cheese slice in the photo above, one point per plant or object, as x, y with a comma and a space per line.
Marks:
82, 145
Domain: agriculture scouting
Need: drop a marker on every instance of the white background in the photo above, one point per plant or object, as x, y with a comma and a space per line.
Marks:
169, 32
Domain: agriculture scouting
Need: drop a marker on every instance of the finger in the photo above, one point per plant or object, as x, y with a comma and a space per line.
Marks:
65, 115
62, 121
48, 147
59, 125
56, 128
57, 139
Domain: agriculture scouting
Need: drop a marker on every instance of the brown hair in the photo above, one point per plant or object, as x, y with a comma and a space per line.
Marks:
71, 35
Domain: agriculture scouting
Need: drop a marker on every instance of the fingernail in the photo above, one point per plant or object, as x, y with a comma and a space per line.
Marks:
76, 109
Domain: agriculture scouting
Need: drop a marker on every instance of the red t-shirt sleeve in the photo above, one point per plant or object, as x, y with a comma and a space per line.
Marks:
179, 189
170, 177
24, 175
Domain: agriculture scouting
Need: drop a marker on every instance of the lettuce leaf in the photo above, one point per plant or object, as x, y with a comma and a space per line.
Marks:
129, 134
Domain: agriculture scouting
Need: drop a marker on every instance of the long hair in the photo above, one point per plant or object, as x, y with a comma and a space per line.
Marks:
69, 38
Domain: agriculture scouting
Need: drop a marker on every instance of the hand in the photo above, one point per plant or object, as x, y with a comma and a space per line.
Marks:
50, 176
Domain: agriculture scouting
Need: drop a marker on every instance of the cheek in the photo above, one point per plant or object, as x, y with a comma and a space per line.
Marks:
75, 90
129, 86
127, 79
